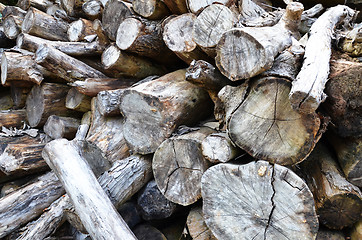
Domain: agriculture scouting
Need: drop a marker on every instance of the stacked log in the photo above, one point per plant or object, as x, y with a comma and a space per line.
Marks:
119, 118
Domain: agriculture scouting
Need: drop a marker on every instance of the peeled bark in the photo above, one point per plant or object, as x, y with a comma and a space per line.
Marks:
257, 201
73, 7
78, 101
12, 26
61, 127
152, 112
151, 9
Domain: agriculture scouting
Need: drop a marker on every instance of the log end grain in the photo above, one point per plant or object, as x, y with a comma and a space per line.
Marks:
127, 32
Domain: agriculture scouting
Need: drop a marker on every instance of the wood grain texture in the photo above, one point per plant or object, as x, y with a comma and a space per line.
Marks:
197, 226
78, 101
151, 9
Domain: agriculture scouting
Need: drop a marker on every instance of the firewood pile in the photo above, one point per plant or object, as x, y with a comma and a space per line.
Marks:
197, 119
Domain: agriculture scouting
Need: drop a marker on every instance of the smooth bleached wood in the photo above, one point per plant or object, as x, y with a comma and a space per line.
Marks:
93, 206
18, 95
108, 102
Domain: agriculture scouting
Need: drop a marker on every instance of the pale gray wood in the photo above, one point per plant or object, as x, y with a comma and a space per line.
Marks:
352, 42
151, 9
78, 101
108, 102
196, 6
307, 91
196, 225
94, 208
257, 201
250, 9
93, 9
28, 202
61, 127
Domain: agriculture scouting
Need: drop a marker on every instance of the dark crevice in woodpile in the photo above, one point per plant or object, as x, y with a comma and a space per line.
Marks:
180, 120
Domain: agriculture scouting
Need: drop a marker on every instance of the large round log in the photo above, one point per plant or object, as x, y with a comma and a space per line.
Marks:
257, 201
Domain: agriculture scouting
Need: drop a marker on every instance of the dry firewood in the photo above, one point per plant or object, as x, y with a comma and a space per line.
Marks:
87, 196
61, 127
12, 21
6, 101
32, 43
257, 201
12, 118
124, 64
176, 6
217, 147
327, 234
177, 34
115, 11
63, 65
108, 102
154, 109
338, 202
344, 96
19, 139
196, 6
178, 165
39, 4
93, 9
17, 66
197, 226
144, 37
92, 86
146, 231
152, 204
73, 7
211, 23
28, 202
46, 100
349, 152
78, 101
352, 41
245, 52
18, 95
22, 159
43, 25
356, 232
249, 9
151, 9
81, 30
307, 90
114, 147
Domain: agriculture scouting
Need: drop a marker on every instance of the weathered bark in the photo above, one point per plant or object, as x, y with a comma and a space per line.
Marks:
107, 134
12, 118
43, 25
178, 165
108, 102
177, 35
28, 202
257, 201
146, 231
17, 66
338, 202
18, 95
63, 65
44, 101
81, 30
77, 101
196, 6
115, 11
246, 52
39, 4
32, 43
352, 41
152, 203
22, 159
217, 147
151, 9
307, 90
92, 86
344, 97
176, 6
61, 127
143, 37
123, 64
152, 112
197, 226
94, 208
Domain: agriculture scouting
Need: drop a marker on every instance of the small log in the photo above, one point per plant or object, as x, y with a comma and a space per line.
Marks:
92, 86
249, 9
12, 26
88, 198
196, 6
6, 102
80, 30
338, 202
122, 64
61, 127
39, 4
178, 165
326, 234
12, 118
93, 9
352, 42
63, 65
18, 95
13, 10
151, 9
307, 91
257, 201
44, 101
152, 203
115, 11
43, 25
32, 43
108, 102
28, 202
146, 231
73, 8
22, 159
77, 101
197, 226
115, 147
148, 123
176, 6
235, 62
177, 34
4, 41
217, 148
356, 232
344, 96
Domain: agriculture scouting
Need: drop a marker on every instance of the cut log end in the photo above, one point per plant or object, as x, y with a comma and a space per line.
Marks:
128, 32
304, 103
75, 30
35, 106
41, 53
28, 21
110, 56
